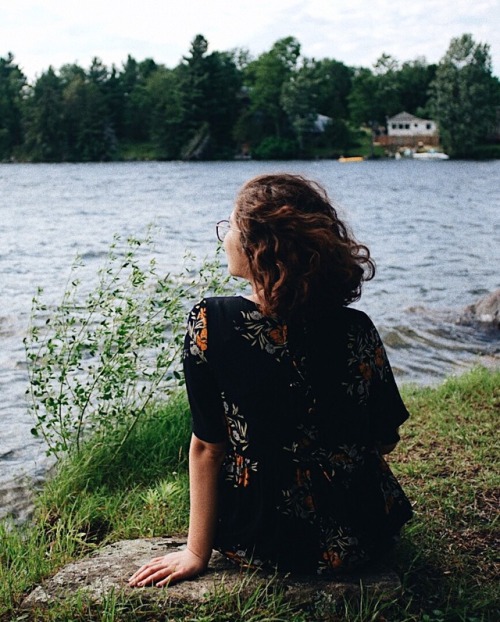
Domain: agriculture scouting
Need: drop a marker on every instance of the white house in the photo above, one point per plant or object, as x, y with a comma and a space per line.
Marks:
405, 124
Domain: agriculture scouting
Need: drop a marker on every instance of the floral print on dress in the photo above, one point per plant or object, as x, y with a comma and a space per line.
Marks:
268, 334
298, 501
237, 427
334, 466
337, 496
339, 547
306, 437
237, 467
366, 361
197, 332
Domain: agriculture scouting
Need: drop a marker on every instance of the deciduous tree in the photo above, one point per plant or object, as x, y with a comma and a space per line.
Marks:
318, 88
167, 113
265, 78
464, 95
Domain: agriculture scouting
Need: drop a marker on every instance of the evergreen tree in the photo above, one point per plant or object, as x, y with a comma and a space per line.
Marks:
223, 103
136, 103
210, 85
212, 104
45, 135
12, 86
89, 134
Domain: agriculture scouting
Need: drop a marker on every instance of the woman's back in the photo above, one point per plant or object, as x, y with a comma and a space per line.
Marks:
292, 398
305, 406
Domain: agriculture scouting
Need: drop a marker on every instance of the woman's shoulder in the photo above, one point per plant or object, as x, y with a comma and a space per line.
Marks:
348, 316
223, 306
228, 300
357, 316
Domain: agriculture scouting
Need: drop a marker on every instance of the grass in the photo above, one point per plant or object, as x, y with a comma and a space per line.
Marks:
447, 462
137, 151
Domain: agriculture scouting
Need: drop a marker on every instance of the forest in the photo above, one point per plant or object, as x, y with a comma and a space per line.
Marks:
229, 104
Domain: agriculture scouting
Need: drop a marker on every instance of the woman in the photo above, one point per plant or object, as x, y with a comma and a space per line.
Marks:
292, 397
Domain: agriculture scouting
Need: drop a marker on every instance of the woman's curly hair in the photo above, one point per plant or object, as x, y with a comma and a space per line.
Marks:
300, 253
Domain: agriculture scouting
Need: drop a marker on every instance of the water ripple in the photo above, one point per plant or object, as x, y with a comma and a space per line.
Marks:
433, 231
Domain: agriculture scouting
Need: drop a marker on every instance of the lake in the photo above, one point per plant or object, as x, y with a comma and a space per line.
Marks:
433, 229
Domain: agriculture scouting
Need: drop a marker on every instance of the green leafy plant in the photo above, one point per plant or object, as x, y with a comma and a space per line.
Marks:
100, 358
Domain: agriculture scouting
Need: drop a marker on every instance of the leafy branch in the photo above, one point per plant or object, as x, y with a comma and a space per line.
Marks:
97, 360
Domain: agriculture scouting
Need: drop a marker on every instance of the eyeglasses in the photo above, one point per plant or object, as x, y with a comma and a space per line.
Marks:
222, 228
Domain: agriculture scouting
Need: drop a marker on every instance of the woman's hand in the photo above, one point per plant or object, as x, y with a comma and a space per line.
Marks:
204, 465
164, 570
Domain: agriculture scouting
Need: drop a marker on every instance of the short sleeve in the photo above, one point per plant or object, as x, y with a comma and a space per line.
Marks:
387, 410
204, 397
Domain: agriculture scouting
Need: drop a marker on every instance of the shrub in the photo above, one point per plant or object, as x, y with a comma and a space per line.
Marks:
274, 148
97, 360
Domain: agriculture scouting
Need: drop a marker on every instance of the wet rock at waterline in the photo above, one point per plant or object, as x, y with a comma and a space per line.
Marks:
485, 311
109, 568
16, 503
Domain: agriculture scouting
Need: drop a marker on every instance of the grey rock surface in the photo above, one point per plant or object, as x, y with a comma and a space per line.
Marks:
16, 502
109, 568
485, 311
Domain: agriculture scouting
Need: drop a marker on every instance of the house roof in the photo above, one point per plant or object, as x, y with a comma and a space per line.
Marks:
403, 117
321, 122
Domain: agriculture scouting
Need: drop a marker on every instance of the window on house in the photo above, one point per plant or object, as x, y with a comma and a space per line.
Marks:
400, 126
429, 126
416, 124
407, 126
394, 126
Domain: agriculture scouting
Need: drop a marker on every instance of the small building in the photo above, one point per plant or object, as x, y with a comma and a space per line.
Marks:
406, 124
320, 123
407, 130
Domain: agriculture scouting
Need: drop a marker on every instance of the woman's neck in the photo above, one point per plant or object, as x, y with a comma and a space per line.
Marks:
254, 295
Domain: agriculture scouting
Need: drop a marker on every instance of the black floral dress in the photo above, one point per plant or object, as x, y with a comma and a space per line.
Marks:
302, 409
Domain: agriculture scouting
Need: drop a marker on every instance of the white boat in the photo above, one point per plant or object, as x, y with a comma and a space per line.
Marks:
431, 155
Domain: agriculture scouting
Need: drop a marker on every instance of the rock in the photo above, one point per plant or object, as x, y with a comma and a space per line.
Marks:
485, 311
109, 568
198, 145
16, 502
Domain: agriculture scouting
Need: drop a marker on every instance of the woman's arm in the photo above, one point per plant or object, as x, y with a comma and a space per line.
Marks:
205, 460
204, 464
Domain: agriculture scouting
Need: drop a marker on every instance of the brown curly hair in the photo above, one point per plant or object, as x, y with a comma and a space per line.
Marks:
300, 253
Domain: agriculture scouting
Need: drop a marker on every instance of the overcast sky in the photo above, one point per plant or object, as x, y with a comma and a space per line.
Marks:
53, 32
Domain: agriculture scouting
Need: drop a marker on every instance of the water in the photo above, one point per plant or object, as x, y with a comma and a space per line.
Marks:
432, 227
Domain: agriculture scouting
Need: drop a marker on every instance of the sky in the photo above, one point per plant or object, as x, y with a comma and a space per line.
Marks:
53, 32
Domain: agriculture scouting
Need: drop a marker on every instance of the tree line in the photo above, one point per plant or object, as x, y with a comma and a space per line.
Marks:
218, 105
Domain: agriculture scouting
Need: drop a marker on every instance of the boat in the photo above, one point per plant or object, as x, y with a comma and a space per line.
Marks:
351, 159
431, 155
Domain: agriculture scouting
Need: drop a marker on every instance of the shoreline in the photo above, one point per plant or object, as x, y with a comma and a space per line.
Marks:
18, 496
445, 462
